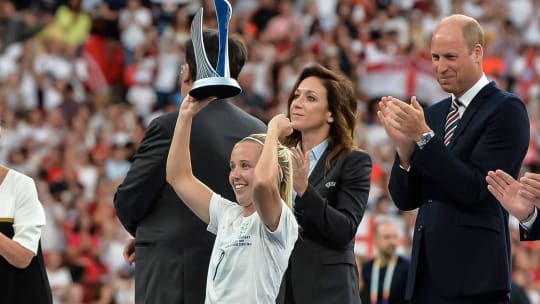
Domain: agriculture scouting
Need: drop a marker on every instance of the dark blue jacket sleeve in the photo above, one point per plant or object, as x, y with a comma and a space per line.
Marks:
534, 233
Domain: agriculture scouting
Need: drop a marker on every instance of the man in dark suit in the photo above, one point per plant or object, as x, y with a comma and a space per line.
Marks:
171, 244
461, 245
519, 199
388, 269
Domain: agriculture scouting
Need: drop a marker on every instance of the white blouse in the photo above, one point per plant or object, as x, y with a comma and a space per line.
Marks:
20, 206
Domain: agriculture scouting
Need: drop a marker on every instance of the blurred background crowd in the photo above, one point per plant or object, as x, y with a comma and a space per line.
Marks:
81, 79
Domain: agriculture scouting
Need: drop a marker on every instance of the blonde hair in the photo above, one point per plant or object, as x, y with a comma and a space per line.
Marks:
285, 181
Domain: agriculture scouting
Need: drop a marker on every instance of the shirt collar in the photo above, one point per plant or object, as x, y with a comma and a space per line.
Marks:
471, 93
318, 150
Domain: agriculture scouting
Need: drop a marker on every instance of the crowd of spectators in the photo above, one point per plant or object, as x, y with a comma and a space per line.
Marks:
81, 79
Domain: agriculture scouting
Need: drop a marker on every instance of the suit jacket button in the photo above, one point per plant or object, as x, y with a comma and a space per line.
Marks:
420, 228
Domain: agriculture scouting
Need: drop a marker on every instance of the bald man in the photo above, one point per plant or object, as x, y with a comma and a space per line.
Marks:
461, 245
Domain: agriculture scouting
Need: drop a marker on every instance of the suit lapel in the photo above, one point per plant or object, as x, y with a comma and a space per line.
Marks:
318, 172
478, 101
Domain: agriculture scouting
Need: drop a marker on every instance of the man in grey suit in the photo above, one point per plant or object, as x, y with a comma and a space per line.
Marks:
172, 246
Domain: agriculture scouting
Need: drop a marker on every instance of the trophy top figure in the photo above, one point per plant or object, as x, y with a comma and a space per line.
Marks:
209, 81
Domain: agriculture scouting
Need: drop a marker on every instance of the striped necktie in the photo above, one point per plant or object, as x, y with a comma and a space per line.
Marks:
452, 120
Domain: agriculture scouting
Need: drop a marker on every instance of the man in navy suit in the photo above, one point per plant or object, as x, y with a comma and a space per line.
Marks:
519, 199
461, 245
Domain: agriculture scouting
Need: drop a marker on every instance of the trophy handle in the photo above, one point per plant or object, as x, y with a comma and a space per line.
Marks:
223, 14
204, 68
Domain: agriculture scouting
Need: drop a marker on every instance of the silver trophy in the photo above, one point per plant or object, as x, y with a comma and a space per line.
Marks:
209, 81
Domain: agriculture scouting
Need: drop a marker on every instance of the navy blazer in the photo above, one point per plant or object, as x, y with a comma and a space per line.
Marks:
534, 233
463, 228
322, 266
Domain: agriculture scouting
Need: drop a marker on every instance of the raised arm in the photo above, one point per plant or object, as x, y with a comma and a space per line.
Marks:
266, 195
191, 190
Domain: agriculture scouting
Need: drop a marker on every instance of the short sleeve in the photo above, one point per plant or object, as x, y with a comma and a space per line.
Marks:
29, 216
218, 205
286, 233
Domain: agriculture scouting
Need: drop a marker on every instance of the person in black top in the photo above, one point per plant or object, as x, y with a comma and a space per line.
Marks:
388, 269
22, 271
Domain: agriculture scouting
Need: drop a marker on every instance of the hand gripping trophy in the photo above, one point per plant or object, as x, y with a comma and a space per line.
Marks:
209, 81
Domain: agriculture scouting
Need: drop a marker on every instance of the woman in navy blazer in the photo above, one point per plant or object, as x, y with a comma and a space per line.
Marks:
331, 181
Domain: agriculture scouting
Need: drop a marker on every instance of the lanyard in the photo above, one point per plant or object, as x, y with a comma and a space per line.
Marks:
374, 290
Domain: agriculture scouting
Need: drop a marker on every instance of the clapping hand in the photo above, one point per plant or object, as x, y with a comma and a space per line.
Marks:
300, 162
531, 187
389, 115
404, 123
517, 198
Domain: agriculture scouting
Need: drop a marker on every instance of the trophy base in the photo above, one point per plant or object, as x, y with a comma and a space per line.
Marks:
220, 87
